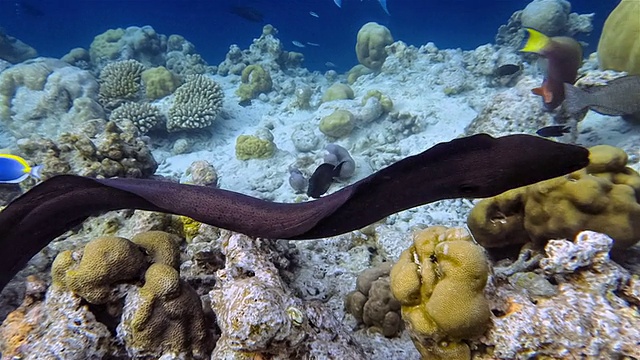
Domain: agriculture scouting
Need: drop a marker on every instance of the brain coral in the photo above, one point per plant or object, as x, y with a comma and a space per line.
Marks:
196, 104
370, 47
619, 46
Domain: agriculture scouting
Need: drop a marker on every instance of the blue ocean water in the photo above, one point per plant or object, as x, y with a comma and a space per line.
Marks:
54, 27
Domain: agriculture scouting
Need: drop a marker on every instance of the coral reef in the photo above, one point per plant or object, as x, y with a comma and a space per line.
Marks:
196, 104
372, 302
602, 197
338, 91
133, 43
619, 45
260, 318
439, 281
589, 316
370, 46
46, 96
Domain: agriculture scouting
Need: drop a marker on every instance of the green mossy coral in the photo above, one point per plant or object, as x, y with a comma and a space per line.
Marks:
603, 197
385, 101
105, 46
619, 45
255, 81
439, 281
168, 316
338, 91
371, 43
161, 246
357, 71
253, 147
106, 261
339, 124
159, 82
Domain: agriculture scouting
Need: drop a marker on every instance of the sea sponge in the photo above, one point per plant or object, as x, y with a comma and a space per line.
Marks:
162, 247
340, 123
254, 147
255, 81
196, 104
119, 82
338, 91
370, 47
372, 302
439, 281
619, 45
143, 116
106, 261
603, 197
166, 317
159, 82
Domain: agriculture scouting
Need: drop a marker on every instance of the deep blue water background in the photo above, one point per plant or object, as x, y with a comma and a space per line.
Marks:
54, 27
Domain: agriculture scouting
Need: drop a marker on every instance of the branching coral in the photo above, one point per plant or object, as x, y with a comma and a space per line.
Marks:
440, 280
196, 104
120, 81
602, 197
143, 116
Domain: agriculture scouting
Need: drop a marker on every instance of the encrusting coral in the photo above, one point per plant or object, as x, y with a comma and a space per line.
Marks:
196, 104
439, 281
602, 197
338, 124
120, 81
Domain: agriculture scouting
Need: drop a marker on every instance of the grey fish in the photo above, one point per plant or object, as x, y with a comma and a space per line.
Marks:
322, 178
619, 97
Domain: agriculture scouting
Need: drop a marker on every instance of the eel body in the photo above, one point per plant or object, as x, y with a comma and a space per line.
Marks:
473, 167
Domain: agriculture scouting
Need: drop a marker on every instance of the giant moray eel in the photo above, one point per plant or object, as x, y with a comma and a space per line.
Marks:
471, 167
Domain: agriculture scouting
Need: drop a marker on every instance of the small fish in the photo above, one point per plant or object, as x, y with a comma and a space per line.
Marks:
329, 64
298, 44
322, 178
312, 44
312, 13
507, 69
14, 169
553, 131
564, 57
619, 97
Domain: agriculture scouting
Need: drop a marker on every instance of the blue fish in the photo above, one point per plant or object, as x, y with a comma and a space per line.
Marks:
14, 169
383, 3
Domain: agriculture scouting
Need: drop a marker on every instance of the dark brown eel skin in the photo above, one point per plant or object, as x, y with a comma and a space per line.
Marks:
472, 167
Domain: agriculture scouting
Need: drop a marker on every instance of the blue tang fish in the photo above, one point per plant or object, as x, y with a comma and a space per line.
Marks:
14, 169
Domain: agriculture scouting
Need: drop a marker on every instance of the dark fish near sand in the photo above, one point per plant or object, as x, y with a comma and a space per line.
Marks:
322, 178
553, 131
564, 57
619, 97
507, 69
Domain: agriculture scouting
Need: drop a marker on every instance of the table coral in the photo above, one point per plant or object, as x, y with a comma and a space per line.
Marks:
439, 281
602, 197
196, 104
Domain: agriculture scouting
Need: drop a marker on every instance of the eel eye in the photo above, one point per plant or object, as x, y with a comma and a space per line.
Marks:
468, 188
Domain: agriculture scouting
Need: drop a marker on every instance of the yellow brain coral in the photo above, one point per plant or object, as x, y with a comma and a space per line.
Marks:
603, 197
440, 282
619, 46
253, 147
